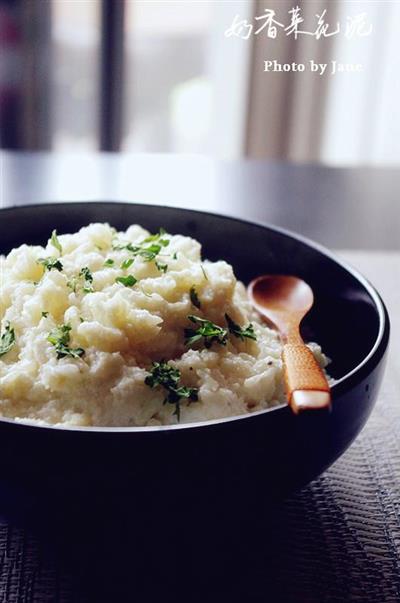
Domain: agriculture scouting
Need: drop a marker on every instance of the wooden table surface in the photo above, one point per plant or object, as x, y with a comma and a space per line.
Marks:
355, 208
339, 539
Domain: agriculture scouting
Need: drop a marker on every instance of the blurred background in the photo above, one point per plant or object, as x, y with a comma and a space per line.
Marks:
179, 77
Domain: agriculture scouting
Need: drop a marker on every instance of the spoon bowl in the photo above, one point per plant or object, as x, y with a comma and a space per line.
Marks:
283, 292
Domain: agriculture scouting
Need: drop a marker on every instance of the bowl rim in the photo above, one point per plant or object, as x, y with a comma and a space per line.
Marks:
341, 384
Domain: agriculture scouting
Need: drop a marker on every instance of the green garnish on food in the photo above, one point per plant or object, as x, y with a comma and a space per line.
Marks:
206, 330
109, 262
73, 283
150, 252
155, 237
194, 298
51, 263
76, 281
60, 338
149, 248
45, 314
88, 279
210, 332
7, 339
55, 242
204, 272
238, 331
162, 267
127, 263
167, 376
128, 281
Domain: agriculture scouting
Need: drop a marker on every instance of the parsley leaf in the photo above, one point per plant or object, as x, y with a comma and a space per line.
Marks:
127, 263
238, 331
55, 242
162, 267
207, 330
149, 248
45, 314
155, 237
109, 262
194, 298
87, 275
88, 279
51, 263
7, 339
150, 252
167, 376
60, 338
128, 281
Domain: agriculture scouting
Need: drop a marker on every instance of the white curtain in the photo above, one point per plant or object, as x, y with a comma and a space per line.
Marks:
346, 118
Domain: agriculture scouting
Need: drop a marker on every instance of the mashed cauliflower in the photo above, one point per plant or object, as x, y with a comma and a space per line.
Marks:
95, 331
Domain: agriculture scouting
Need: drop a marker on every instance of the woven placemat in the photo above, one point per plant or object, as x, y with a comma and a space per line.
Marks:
337, 540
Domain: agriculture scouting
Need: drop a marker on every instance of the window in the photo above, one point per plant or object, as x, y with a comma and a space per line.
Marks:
74, 82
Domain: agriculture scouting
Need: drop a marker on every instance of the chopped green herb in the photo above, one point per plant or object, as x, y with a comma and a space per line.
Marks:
127, 263
128, 281
87, 275
88, 279
194, 298
167, 376
109, 262
151, 252
162, 267
45, 314
238, 331
204, 272
7, 339
51, 263
155, 237
55, 242
148, 249
73, 283
60, 338
206, 330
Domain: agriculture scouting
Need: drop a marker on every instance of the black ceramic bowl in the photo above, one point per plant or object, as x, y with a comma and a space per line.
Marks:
262, 454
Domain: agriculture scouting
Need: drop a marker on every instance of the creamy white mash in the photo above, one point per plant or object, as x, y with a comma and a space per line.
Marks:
95, 331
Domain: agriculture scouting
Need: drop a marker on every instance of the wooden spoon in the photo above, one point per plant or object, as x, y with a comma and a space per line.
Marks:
284, 301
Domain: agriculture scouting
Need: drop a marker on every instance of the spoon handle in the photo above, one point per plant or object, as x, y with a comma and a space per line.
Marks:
306, 384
